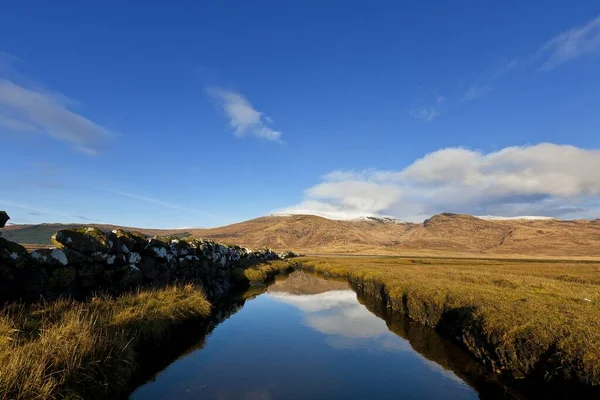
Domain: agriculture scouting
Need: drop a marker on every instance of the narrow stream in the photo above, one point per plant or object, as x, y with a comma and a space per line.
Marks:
307, 337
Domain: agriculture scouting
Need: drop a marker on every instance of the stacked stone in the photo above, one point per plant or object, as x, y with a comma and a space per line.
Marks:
88, 260
13, 257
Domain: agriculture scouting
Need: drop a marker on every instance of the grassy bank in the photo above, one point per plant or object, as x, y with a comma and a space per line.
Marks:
263, 273
529, 318
69, 349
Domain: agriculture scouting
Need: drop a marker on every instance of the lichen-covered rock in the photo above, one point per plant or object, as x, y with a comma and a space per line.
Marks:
158, 248
50, 257
130, 241
12, 254
85, 240
3, 218
288, 254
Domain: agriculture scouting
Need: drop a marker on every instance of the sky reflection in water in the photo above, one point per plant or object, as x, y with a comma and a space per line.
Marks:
306, 338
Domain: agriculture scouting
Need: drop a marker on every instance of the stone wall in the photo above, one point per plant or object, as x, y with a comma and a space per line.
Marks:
88, 260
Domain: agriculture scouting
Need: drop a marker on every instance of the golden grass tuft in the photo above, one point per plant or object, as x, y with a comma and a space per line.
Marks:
265, 272
71, 349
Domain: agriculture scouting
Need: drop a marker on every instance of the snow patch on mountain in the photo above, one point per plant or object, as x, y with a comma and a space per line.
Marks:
343, 216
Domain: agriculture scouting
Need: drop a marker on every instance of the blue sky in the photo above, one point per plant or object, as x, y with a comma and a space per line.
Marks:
180, 114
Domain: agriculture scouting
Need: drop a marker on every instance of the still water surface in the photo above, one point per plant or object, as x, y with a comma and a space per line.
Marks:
311, 338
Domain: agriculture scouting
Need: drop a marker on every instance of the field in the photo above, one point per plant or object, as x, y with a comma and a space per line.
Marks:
69, 349
523, 316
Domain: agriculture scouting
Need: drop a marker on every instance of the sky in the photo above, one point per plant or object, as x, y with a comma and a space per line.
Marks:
200, 114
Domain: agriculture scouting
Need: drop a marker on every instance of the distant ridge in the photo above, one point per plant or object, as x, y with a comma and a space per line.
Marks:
343, 217
443, 234
522, 217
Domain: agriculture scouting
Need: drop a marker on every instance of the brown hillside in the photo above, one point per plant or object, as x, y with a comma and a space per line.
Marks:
306, 232
443, 234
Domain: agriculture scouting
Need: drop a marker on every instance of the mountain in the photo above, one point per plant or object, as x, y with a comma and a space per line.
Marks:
442, 234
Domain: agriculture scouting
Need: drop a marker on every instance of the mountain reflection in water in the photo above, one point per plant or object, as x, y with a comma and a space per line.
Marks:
312, 338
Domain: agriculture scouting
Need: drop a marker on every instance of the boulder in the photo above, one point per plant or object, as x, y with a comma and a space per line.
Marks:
181, 248
3, 218
12, 253
50, 257
158, 249
130, 241
85, 240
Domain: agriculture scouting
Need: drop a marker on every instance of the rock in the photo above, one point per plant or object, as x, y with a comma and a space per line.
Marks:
90, 276
76, 257
61, 282
181, 248
113, 261
12, 254
128, 278
288, 254
130, 241
33, 283
189, 266
50, 257
149, 267
85, 240
158, 249
87, 260
91, 270
3, 218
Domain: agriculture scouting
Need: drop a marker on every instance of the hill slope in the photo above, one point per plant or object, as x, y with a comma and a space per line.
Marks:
443, 234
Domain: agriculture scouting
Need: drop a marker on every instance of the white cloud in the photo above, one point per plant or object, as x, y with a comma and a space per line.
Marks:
243, 117
23, 109
544, 179
425, 114
336, 312
570, 45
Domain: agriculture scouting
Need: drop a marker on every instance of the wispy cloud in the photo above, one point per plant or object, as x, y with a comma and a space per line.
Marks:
571, 45
544, 179
16, 125
29, 110
425, 114
475, 91
83, 218
483, 85
567, 46
162, 203
6, 204
243, 117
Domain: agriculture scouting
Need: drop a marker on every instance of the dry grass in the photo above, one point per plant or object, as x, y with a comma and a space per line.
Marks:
524, 309
263, 273
69, 349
